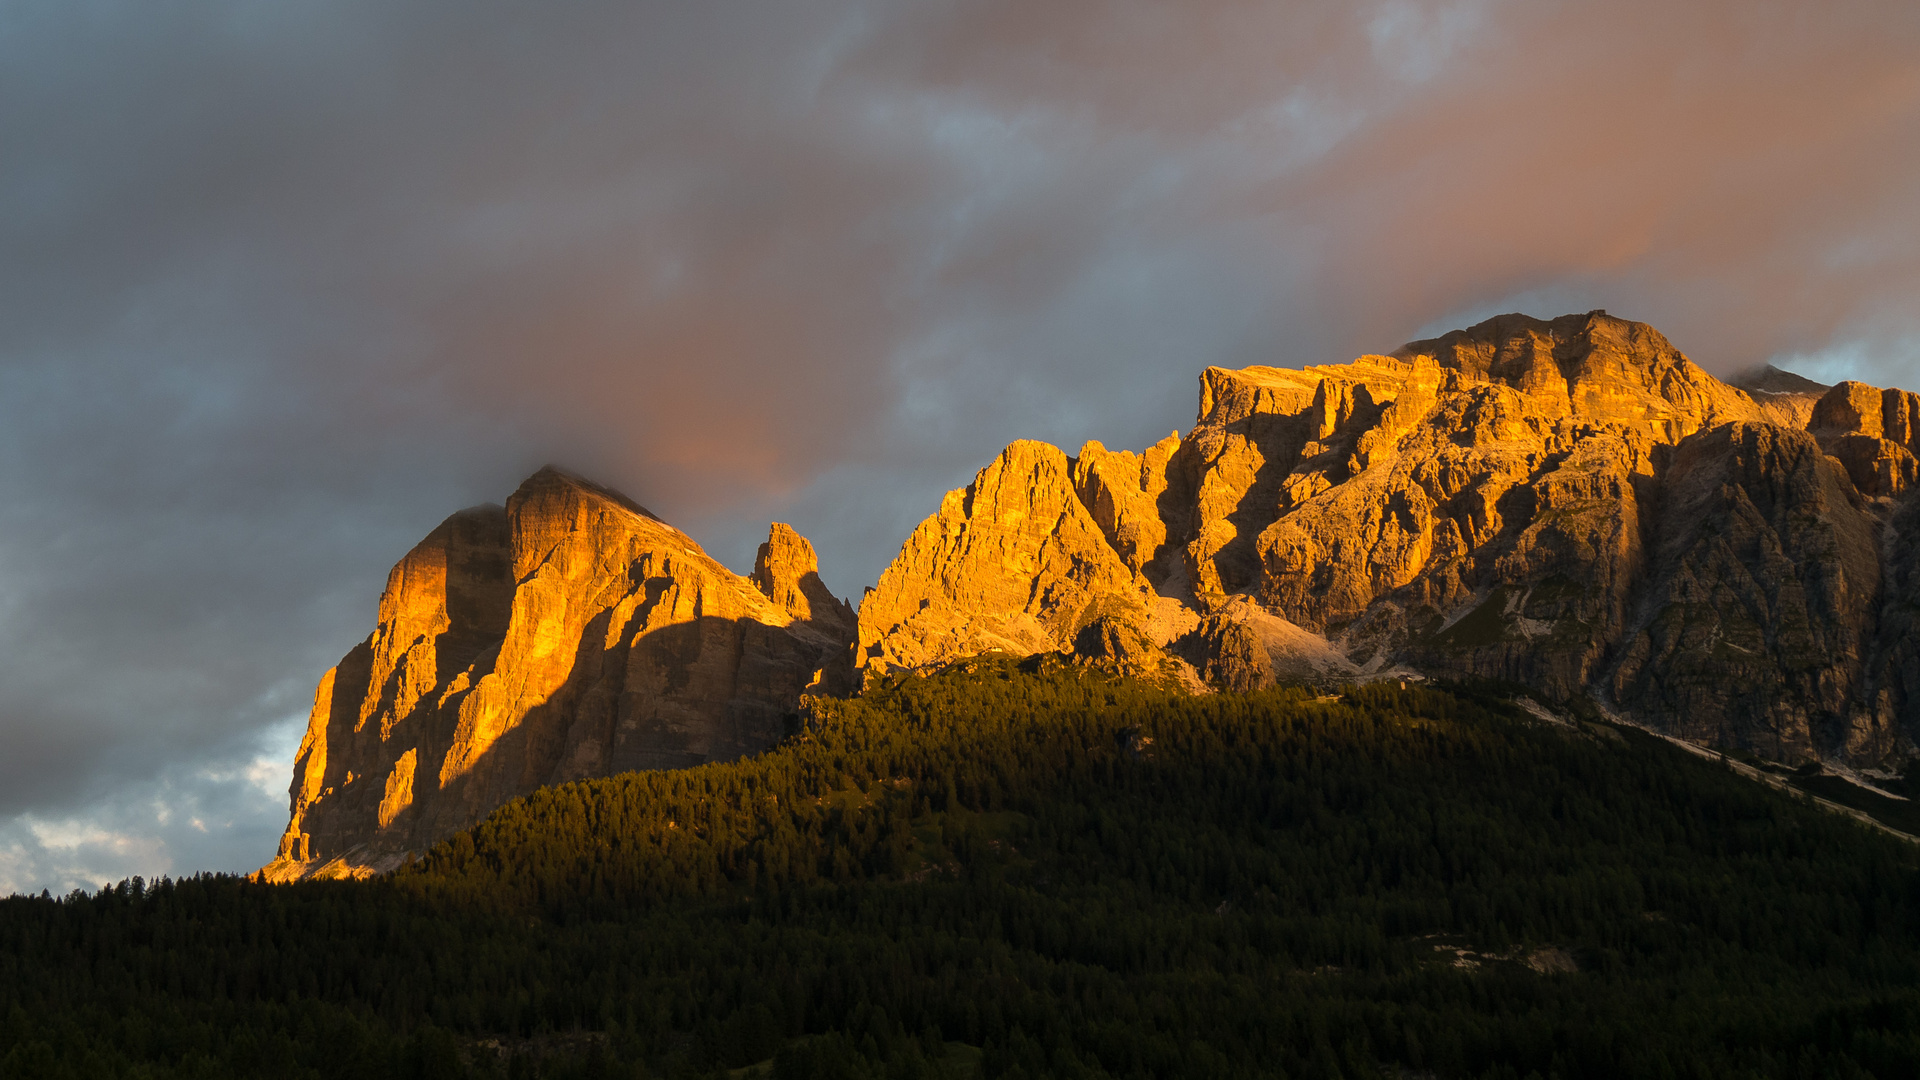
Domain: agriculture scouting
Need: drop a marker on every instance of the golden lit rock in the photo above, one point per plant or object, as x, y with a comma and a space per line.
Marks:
569, 634
1014, 562
787, 572
1504, 501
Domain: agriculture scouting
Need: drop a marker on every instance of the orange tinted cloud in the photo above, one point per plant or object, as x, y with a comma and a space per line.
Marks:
1710, 165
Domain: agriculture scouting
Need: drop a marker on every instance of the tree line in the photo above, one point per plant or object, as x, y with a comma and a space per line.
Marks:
1035, 868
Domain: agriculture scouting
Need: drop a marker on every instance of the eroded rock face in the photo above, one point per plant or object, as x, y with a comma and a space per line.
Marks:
1571, 504
1480, 505
1874, 433
1124, 492
570, 634
1891, 697
1014, 562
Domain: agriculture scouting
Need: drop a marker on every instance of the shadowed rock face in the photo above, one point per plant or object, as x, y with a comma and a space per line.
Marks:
569, 635
1570, 504
1762, 598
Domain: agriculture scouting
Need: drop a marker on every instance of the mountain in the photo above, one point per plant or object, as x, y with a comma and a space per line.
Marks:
1570, 505
569, 634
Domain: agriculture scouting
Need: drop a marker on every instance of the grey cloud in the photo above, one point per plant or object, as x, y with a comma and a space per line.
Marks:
212, 813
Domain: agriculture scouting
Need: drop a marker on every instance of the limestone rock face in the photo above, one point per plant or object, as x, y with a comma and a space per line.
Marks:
1013, 562
1891, 698
1570, 503
1481, 504
1874, 433
1853, 408
570, 634
1124, 491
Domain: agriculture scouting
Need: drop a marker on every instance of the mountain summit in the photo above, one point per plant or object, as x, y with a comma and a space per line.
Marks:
570, 634
1571, 504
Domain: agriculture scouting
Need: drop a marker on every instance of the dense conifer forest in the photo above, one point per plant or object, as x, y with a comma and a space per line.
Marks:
1027, 869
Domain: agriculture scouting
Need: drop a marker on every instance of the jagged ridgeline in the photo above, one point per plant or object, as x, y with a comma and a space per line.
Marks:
1570, 505
1028, 868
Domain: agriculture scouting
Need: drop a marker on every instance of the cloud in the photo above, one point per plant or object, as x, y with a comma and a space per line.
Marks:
281, 286
213, 814
1731, 173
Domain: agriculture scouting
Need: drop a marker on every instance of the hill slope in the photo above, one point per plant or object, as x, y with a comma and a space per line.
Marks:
1076, 875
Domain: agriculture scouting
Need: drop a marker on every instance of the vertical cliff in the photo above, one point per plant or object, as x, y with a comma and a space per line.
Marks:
569, 634
1763, 596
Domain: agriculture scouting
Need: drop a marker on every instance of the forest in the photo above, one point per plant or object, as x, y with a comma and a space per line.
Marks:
1036, 868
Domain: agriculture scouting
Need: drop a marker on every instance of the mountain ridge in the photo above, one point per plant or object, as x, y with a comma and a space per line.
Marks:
1569, 504
1494, 502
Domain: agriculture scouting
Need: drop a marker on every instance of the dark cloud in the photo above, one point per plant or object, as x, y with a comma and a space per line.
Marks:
282, 285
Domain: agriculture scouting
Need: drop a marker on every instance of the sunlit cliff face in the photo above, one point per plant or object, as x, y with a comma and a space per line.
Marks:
568, 634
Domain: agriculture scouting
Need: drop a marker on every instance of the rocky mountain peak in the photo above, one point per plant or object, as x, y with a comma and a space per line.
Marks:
1011, 563
1873, 433
1767, 380
553, 479
568, 634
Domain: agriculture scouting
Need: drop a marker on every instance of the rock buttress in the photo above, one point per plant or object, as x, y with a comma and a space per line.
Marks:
1763, 598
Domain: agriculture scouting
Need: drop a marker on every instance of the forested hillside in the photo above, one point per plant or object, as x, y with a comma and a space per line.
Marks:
1034, 869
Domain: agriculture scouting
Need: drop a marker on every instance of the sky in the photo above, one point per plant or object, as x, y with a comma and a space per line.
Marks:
282, 285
